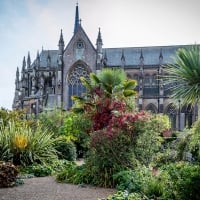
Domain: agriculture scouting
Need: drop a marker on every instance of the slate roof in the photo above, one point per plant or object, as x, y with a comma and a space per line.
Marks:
53, 54
132, 55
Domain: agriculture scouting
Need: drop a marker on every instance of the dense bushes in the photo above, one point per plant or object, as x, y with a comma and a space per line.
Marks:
66, 149
180, 181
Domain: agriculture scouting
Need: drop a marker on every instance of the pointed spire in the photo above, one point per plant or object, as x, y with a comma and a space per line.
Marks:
76, 24
141, 56
28, 61
99, 43
161, 56
122, 57
61, 43
99, 39
61, 40
38, 59
24, 64
17, 74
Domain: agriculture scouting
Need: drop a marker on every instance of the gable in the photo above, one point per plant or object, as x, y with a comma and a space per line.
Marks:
80, 48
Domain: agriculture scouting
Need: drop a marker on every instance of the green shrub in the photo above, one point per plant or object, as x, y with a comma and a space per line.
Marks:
132, 180
8, 174
108, 156
58, 165
66, 149
124, 195
75, 128
194, 142
37, 170
52, 121
26, 145
68, 174
184, 181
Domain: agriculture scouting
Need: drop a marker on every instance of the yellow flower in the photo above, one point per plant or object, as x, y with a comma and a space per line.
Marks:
20, 141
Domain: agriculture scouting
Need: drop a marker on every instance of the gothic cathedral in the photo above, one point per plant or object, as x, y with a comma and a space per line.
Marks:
54, 76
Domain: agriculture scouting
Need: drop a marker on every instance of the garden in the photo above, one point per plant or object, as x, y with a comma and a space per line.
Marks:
134, 151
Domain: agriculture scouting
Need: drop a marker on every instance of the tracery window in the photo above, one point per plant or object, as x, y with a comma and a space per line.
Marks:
74, 82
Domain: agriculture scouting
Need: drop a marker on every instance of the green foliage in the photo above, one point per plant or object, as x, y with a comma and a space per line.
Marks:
124, 195
194, 142
184, 74
74, 174
6, 116
66, 149
26, 146
183, 181
37, 170
132, 180
75, 128
149, 138
8, 174
52, 120
5, 153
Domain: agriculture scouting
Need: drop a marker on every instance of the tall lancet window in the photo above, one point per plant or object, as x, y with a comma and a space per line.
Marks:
171, 112
74, 82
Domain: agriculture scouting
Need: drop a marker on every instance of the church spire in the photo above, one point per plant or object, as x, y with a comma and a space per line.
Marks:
77, 21
99, 42
61, 43
99, 39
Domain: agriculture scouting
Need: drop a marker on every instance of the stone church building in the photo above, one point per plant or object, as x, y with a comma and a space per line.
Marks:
54, 75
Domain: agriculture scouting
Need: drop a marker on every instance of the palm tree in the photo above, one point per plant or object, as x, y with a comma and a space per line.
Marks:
108, 83
184, 75
108, 92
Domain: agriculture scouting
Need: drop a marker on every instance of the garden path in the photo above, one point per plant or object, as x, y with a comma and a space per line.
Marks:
46, 188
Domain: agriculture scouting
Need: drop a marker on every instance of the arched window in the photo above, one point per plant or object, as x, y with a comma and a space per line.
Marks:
74, 82
171, 112
188, 110
151, 107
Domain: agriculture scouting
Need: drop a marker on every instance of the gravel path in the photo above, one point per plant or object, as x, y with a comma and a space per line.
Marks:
46, 188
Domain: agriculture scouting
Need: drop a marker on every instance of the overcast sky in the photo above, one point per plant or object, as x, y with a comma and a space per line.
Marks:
27, 25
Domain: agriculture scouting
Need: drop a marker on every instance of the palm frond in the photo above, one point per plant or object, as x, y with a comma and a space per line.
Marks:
184, 75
